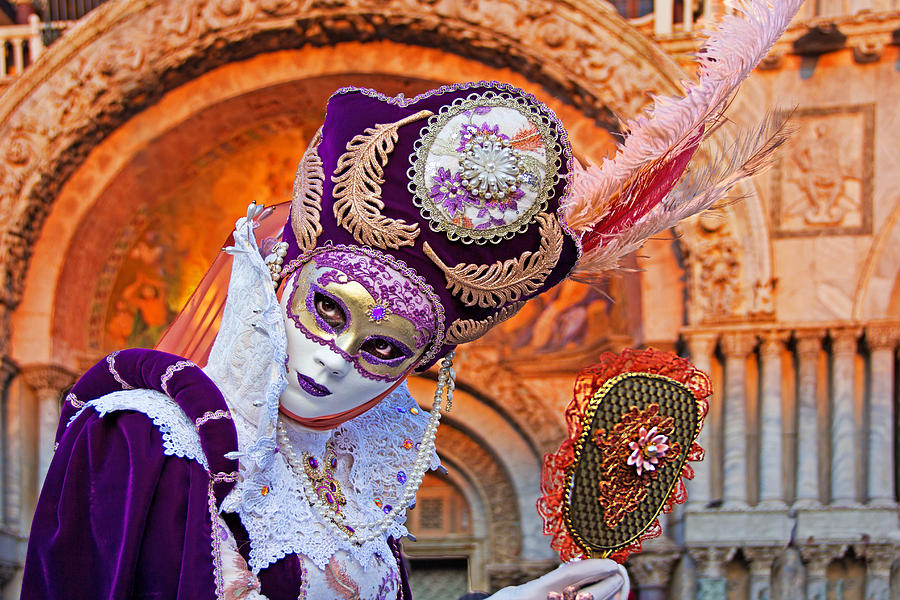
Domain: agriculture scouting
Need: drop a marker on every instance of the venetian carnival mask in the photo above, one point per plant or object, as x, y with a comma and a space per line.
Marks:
355, 325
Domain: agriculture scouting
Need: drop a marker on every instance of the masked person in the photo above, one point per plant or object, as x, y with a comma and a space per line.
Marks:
284, 467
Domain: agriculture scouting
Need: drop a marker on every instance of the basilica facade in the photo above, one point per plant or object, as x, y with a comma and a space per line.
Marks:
134, 134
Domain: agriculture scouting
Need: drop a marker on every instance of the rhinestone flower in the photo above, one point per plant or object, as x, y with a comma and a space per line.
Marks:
647, 450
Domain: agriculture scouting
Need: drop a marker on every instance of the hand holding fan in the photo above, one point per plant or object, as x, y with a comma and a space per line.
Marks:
632, 424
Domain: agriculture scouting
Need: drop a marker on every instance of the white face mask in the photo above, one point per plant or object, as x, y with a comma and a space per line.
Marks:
322, 381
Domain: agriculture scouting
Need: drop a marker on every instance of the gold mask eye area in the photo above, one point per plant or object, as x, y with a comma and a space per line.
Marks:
330, 311
383, 349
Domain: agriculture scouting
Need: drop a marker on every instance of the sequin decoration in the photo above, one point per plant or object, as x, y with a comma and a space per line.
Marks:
408, 444
485, 166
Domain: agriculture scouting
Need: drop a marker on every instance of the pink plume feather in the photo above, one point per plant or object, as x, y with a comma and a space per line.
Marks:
621, 203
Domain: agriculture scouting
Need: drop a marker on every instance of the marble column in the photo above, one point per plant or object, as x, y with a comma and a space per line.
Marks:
711, 582
789, 582
47, 382
12, 461
771, 494
736, 347
809, 343
761, 560
702, 346
880, 484
878, 572
817, 559
845, 455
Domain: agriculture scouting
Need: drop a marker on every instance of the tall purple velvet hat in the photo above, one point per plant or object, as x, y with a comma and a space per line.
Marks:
460, 188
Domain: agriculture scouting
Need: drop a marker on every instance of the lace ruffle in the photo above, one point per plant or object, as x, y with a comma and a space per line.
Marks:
375, 451
178, 433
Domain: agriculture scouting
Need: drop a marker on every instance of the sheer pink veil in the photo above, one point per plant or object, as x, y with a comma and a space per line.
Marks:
194, 330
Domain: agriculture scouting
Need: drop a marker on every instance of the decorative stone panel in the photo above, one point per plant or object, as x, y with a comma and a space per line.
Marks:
822, 185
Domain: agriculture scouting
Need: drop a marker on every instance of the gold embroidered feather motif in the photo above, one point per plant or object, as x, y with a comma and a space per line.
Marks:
462, 331
306, 203
503, 282
357, 191
339, 581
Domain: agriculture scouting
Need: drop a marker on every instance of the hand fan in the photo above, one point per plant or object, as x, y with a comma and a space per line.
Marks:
633, 422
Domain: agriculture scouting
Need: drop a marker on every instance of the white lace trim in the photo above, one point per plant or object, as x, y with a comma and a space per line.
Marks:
180, 438
372, 452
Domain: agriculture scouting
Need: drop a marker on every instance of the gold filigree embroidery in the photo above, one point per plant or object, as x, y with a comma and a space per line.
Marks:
462, 331
622, 488
306, 203
503, 282
357, 191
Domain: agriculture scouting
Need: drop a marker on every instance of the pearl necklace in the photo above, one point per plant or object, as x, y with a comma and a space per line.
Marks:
362, 533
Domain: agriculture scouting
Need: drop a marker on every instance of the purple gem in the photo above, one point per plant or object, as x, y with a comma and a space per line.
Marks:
400, 409
333, 462
401, 477
387, 508
350, 529
329, 498
378, 313
333, 487
312, 462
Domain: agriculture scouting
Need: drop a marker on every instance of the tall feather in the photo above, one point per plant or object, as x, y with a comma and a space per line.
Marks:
752, 153
610, 204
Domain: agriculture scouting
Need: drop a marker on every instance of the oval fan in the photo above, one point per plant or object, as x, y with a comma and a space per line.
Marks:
633, 423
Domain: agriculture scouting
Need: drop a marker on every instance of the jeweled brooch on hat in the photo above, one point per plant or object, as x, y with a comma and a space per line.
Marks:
485, 166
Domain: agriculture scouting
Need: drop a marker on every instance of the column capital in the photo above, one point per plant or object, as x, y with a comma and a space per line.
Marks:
702, 343
772, 342
738, 344
809, 341
652, 569
710, 560
8, 370
882, 337
845, 340
761, 558
47, 378
879, 557
817, 557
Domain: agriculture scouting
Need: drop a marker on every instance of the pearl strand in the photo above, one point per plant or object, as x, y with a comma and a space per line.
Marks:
369, 532
275, 260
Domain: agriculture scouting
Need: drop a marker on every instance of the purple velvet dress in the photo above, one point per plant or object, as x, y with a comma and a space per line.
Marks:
117, 518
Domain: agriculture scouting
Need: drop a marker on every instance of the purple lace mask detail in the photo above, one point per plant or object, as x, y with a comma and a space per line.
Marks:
388, 287
396, 289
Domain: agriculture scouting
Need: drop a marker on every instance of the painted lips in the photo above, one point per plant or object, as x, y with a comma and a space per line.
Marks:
311, 387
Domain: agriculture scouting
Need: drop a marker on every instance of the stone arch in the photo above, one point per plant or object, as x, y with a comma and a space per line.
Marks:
879, 280
126, 55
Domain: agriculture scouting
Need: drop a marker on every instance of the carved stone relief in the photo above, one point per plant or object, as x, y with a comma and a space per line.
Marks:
478, 370
823, 183
715, 270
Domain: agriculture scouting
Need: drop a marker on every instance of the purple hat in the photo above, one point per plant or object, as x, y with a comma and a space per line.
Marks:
459, 187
